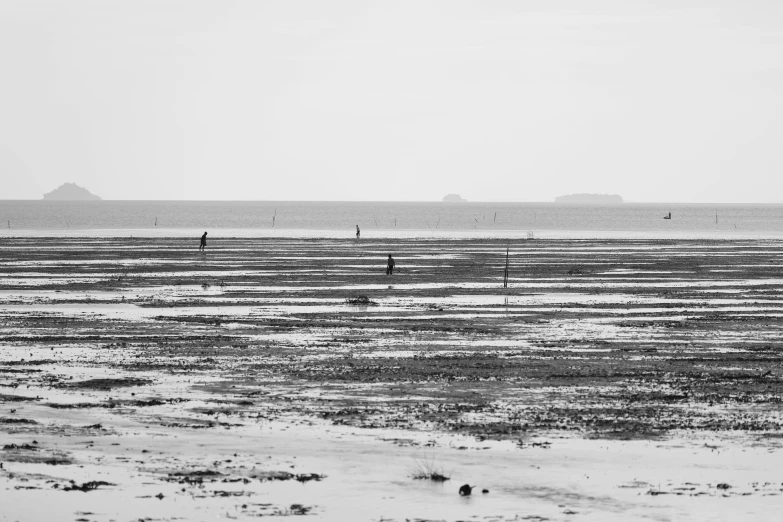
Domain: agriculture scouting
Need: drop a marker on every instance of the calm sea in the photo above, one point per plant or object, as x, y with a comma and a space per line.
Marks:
376, 219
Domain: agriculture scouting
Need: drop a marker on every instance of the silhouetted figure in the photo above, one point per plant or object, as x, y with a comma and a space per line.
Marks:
357, 232
668, 216
466, 490
203, 244
390, 266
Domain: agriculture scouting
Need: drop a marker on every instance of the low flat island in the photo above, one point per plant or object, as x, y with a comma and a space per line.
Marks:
613, 380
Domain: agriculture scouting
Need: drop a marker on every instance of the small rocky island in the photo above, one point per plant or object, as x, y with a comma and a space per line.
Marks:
453, 198
71, 192
595, 199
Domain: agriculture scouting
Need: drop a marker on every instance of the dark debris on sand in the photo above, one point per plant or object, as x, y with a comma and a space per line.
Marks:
86, 486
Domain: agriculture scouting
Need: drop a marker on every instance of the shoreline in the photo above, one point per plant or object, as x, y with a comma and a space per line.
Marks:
369, 234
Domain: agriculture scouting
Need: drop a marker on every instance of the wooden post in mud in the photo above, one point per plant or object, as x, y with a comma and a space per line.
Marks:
505, 274
273, 218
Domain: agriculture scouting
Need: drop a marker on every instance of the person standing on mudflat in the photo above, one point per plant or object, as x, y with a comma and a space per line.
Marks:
357, 231
390, 266
203, 244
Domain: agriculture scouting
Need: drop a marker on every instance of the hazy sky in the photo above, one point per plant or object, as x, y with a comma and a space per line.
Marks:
338, 100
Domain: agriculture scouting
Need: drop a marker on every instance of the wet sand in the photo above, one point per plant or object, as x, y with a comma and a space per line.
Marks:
613, 379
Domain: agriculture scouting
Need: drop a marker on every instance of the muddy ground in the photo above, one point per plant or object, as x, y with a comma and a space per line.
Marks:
160, 382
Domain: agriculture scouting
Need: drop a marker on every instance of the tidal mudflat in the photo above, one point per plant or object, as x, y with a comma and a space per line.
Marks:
613, 380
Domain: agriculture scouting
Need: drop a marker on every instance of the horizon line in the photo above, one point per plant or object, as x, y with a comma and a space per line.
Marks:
102, 200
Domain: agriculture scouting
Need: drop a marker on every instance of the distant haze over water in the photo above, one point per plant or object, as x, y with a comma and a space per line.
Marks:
385, 219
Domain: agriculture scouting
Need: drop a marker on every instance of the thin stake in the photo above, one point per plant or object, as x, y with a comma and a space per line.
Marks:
273, 217
438, 223
495, 218
505, 274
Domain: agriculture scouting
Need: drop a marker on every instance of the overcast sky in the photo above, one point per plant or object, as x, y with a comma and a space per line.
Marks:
338, 100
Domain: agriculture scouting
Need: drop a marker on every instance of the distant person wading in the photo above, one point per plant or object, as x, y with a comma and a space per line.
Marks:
357, 232
390, 266
203, 244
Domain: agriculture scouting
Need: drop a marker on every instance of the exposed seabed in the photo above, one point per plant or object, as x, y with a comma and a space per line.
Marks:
613, 380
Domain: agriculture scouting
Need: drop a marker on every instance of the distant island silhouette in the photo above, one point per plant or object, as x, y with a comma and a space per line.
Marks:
453, 198
605, 199
71, 192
